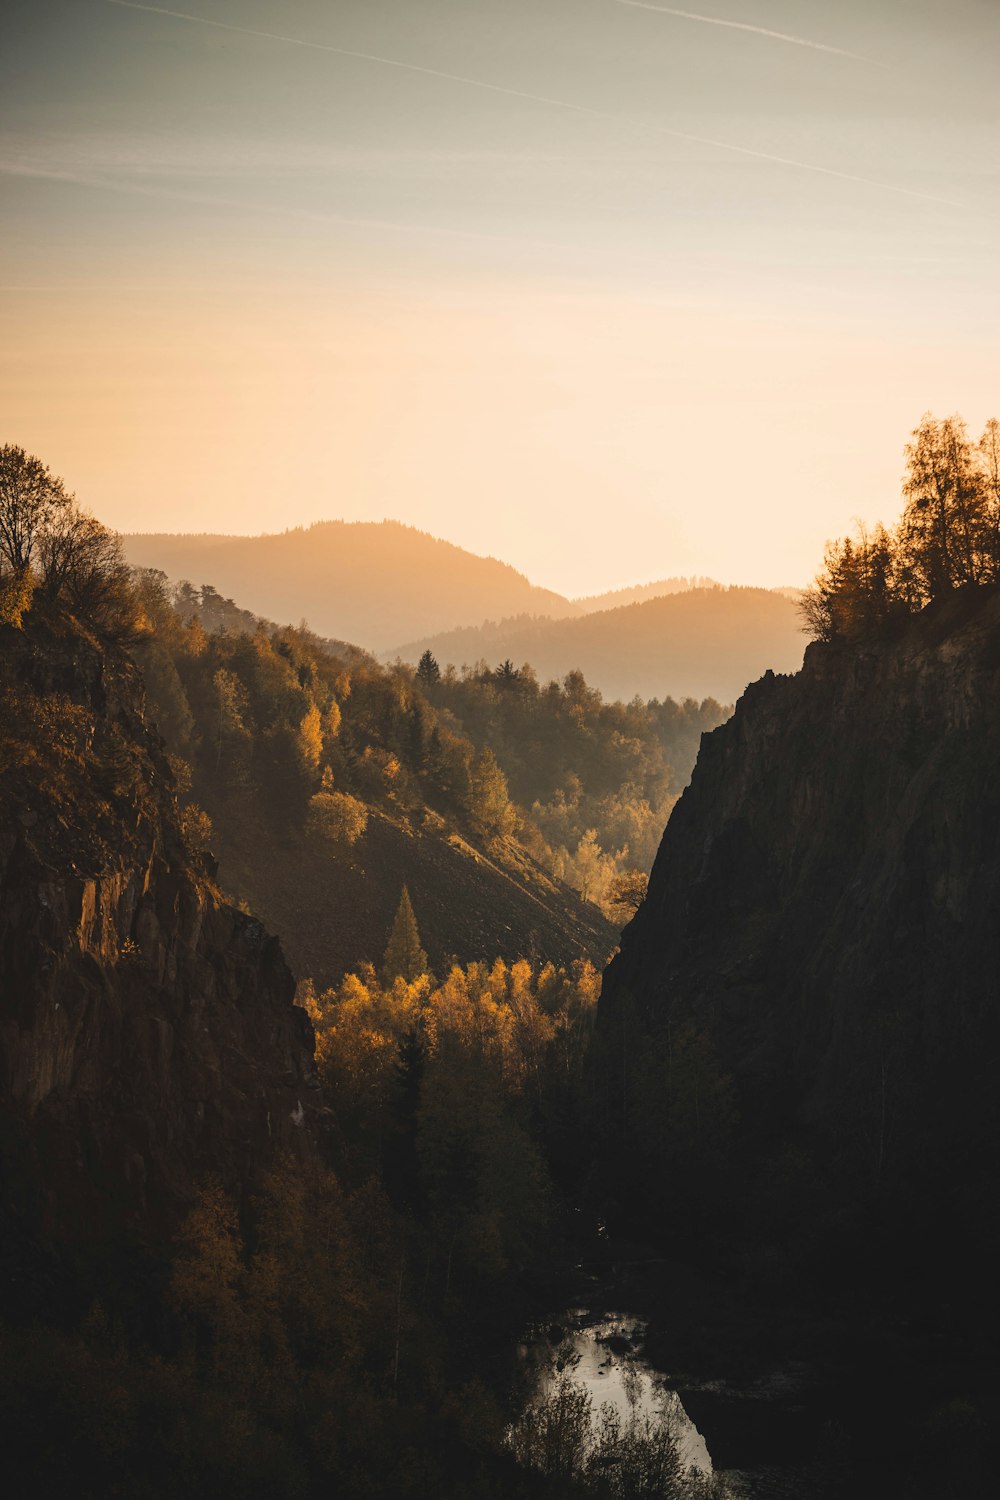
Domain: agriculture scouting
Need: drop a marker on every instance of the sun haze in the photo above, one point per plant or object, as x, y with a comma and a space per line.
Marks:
609, 290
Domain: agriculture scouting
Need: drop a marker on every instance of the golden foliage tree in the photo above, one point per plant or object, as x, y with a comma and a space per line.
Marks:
404, 957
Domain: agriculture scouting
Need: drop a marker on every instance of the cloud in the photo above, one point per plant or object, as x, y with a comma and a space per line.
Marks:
172, 155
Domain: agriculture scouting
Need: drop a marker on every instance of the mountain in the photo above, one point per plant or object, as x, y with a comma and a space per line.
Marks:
147, 1030
639, 592
809, 997
700, 643
372, 583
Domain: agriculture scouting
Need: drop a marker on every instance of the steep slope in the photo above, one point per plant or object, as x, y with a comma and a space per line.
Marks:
822, 918
358, 581
474, 901
147, 1031
700, 643
331, 783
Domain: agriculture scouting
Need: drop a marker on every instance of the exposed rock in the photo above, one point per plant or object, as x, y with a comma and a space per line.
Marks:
147, 1031
826, 905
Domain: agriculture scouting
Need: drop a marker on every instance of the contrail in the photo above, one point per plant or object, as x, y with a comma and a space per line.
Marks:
581, 109
776, 36
373, 57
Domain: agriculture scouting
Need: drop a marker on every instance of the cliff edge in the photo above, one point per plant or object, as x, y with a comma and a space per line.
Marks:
823, 918
147, 1031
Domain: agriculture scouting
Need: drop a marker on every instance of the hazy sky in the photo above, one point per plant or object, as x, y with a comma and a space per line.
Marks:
604, 289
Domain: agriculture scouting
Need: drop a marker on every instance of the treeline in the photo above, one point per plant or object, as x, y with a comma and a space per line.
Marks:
597, 780
593, 783
53, 554
316, 739
948, 537
314, 733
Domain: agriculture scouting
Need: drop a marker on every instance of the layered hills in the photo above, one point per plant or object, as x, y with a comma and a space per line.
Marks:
382, 584
697, 643
371, 583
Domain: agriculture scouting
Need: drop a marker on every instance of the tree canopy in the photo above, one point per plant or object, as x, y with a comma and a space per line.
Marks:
51, 548
947, 538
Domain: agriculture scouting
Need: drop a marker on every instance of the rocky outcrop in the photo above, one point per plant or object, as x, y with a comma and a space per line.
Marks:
825, 905
147, 1031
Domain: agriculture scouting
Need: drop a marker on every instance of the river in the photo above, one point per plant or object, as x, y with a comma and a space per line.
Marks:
737, 1409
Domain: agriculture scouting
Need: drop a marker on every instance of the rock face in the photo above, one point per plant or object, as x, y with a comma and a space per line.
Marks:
826, 905
147, 1031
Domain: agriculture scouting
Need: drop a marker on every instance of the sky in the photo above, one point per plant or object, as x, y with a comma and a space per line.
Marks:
610, 290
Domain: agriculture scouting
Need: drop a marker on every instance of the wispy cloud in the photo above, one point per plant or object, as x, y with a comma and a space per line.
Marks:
775, 36
78, 176
168, 156
564, 104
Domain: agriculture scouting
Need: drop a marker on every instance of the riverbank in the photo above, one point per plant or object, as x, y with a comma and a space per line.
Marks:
792, 1398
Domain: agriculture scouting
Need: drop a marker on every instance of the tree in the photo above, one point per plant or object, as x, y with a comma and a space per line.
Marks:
82, 564
428, 671
336, 816
490, 803
15, 598
628, 890
989, 457
944, 524
863, 583
30, 498
310, 740
404, 957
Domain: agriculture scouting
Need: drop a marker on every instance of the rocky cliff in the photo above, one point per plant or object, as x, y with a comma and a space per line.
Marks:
824, 912
147, 1031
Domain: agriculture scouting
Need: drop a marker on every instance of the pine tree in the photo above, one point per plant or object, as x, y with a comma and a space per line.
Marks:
404, 957
428, 671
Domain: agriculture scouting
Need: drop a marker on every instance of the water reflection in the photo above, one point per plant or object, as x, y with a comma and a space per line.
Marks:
603, 1356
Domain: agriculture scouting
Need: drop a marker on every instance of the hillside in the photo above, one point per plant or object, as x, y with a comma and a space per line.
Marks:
475, 900
699, 643
324, 784
371, 583
810, 990
616, 598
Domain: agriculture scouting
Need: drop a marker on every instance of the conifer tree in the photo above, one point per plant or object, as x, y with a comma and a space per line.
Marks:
428, 671
404, 957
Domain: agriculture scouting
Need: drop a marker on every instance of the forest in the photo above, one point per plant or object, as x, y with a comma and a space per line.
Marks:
347, 1314
343, 1316
317, 734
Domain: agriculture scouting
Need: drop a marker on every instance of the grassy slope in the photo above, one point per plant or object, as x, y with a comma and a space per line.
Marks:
332, 907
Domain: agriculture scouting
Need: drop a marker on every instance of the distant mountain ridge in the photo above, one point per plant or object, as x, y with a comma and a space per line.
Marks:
694, 644
636, 594
373, 583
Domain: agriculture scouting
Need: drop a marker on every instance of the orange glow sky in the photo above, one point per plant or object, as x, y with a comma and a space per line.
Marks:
248, 284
